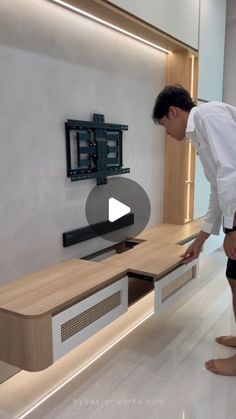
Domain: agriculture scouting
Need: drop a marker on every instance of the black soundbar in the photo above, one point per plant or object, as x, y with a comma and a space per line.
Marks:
85, 233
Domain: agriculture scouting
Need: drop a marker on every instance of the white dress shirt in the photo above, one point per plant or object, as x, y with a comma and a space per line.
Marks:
212, 130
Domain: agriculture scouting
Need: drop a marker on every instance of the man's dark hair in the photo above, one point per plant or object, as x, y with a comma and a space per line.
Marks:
173, 95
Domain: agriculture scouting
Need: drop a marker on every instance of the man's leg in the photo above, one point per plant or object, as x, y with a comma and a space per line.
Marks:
226, 366
230, 340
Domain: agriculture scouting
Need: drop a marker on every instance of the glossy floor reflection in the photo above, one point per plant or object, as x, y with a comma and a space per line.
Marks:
158, 370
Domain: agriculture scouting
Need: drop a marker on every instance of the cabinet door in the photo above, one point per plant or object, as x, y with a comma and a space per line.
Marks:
211, 49
177, 18
77, 323
175, 285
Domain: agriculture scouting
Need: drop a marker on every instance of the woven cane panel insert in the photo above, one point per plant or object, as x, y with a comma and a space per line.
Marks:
74, 325
176, 284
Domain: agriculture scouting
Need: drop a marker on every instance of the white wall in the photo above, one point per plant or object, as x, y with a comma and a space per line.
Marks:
56, 65
211, 49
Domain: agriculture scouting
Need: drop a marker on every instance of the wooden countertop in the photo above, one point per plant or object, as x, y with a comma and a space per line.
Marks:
52, 289
171, 233
28, 304
149, 258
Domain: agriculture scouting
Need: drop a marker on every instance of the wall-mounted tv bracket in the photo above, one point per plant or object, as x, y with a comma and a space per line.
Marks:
94, 149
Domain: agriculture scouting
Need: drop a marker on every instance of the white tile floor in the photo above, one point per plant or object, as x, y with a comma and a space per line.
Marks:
158, 370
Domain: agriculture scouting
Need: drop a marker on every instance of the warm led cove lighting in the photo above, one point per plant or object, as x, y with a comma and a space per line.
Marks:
60, 386
192, 76
105, 23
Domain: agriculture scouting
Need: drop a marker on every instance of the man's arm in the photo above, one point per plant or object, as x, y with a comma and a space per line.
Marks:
220, 131
213, 217
212, 224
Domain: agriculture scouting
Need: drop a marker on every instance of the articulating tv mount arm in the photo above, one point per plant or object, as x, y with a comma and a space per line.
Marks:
97, 149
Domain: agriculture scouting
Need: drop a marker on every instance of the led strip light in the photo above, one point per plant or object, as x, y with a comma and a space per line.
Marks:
109, 25
60, 386
188, 182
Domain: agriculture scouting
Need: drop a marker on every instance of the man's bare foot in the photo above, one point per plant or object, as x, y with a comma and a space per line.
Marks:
225, 366
227, 340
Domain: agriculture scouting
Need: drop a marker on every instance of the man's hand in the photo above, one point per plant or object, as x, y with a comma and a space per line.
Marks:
192, 252
230, 245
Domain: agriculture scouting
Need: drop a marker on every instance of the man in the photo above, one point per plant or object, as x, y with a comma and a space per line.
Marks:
212, 130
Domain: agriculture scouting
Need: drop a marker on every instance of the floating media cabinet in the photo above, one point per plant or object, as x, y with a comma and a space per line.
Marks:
46, 314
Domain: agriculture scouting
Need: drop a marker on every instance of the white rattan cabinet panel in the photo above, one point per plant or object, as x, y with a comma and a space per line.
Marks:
79, 322
175, 285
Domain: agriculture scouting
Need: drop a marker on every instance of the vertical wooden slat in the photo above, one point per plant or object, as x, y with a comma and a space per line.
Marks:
179, 71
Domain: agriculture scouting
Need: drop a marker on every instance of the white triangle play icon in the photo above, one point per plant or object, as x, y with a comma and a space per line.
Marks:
117, 209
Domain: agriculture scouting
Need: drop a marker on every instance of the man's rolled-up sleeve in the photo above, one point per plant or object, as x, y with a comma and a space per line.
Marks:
221, 134
213, 218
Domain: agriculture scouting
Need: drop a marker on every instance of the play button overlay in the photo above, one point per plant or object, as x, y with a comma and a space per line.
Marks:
118, 210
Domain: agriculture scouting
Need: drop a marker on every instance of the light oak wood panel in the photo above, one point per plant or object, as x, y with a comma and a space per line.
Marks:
180, 70
170, 233
27, 307
55, 288
149, 258
26, 343
52, 289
